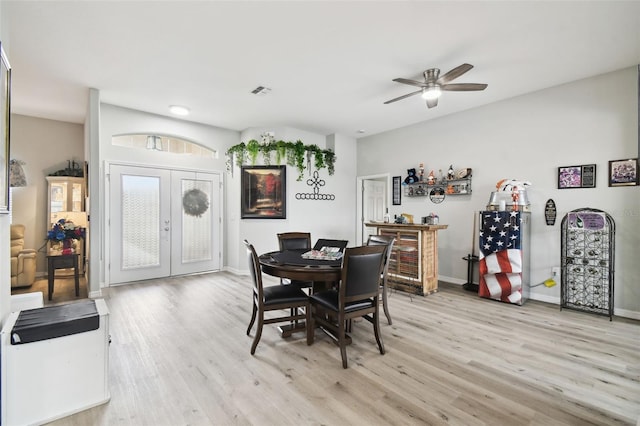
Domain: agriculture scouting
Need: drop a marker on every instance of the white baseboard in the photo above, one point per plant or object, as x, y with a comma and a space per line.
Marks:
451, 280
625, 313
235, 271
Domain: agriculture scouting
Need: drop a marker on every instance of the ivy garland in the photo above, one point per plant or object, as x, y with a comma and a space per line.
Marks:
293, 153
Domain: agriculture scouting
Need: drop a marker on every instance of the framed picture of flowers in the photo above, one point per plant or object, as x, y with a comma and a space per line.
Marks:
577, 176
264, 194
5, 113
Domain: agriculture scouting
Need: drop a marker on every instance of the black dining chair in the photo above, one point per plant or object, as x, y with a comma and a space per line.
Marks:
384, 240
295, 241
356, 296
322, 242
272, 298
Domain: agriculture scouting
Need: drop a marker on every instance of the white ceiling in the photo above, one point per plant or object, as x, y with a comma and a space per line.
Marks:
330, 65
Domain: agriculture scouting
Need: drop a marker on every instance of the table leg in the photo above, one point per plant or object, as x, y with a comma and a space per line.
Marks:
76, 276
51, 272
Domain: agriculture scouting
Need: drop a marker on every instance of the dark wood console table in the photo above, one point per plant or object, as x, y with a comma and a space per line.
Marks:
63, 261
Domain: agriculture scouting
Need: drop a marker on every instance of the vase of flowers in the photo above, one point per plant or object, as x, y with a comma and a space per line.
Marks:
65, 232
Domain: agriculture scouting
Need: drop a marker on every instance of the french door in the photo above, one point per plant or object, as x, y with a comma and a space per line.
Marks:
162, 223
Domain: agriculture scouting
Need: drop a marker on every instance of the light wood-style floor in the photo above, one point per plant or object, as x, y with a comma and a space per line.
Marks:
180, 356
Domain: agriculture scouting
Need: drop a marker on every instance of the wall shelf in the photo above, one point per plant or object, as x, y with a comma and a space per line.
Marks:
445, 187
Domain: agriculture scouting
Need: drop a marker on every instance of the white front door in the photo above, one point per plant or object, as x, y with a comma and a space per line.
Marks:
162, 223
195, 215
140, 219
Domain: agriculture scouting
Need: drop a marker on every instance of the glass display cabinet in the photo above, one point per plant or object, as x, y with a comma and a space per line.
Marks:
66, 200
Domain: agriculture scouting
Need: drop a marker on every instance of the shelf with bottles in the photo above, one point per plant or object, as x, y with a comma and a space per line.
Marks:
460, 186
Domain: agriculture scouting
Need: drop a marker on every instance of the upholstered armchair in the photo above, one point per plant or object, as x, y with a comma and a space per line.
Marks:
23, 261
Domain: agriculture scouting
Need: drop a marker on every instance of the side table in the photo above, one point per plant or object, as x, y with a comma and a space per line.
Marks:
63, 261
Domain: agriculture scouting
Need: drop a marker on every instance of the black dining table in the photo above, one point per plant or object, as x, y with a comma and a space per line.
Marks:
290, 264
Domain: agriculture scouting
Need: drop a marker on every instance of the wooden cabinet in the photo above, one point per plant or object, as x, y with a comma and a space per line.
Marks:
413, 266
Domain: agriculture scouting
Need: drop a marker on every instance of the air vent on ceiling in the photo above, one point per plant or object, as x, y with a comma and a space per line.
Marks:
261, 90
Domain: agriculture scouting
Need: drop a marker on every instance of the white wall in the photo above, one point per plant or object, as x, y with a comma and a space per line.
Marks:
322, 218
584, 122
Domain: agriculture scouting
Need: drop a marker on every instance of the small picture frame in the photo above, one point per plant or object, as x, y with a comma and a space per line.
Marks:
623, 172
397, 191
583, 176
264, 194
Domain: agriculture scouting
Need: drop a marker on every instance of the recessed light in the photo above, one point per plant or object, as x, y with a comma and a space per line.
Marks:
361, 131
179, 110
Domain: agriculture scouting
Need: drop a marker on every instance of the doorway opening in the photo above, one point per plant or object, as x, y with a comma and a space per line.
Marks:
372, 203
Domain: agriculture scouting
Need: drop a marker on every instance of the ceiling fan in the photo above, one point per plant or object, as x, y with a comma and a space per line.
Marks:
433, 85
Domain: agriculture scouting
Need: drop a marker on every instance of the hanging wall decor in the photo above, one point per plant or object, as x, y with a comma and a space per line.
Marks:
264, 194
195, 202
550, 212
623, 172
5, 114
577, 176
316, 183
397, 192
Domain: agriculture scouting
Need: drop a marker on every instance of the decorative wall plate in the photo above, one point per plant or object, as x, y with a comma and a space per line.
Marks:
436, 195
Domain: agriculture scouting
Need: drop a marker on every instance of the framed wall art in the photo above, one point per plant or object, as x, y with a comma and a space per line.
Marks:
264, 194
577, 176
5, 114
397, 191
623, 172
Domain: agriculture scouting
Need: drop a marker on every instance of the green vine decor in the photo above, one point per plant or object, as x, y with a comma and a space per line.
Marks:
295, 154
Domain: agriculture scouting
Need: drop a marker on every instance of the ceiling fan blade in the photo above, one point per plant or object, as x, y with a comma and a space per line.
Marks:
404, 96
432, 102
463, 87
411, 82
454, 73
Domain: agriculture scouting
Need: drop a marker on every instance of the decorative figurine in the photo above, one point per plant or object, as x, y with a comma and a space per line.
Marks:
431, 179
421, 172
515, 196
450, 173
411, 178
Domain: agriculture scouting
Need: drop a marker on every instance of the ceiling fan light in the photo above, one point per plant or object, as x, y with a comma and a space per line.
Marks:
431, 93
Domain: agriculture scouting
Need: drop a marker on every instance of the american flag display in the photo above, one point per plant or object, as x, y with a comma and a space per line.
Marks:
501, 256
